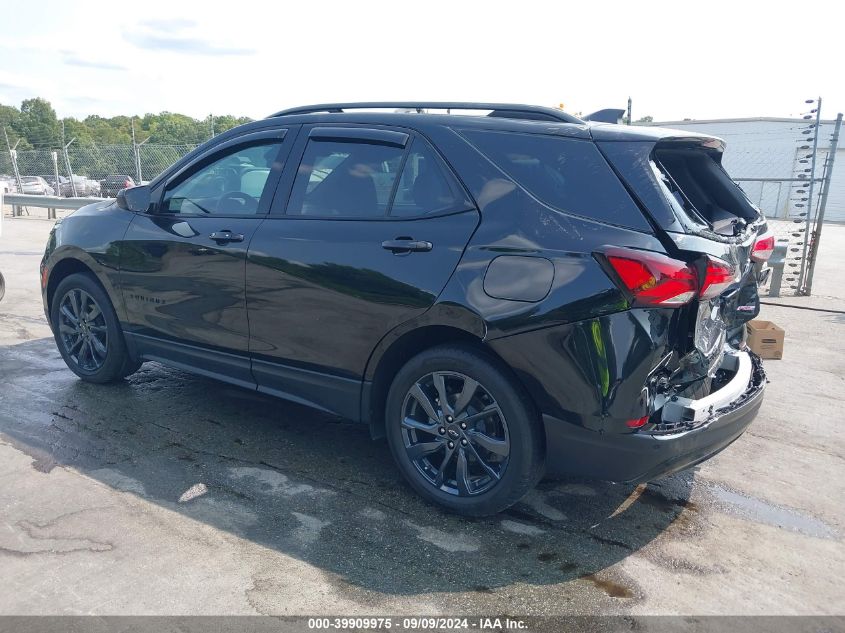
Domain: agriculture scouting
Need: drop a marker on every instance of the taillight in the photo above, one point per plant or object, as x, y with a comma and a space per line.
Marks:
127, 184
763, 248
718, 275
636, 422
653, 279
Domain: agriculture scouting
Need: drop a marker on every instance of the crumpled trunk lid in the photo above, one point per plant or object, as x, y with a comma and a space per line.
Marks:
700, 215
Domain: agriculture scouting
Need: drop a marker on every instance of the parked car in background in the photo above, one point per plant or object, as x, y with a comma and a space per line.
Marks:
501, 296
110, 185
93, 187
36, 185
85, 187
8, 184
63, 188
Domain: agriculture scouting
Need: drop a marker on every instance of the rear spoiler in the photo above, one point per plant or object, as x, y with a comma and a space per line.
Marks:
608, 115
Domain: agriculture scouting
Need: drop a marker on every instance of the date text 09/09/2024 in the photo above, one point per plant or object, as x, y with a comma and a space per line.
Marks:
418, 623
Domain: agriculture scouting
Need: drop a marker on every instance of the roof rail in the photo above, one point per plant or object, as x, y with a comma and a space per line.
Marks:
501, 110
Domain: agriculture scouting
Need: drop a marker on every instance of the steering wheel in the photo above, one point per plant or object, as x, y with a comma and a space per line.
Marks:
246, 200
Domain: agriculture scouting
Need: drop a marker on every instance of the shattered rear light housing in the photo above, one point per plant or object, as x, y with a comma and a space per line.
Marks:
763, 248
653, 279
718, 275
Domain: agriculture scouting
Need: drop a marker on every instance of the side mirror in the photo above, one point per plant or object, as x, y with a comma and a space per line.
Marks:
136, 199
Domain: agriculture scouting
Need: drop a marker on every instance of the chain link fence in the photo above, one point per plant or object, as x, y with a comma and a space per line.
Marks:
141, 162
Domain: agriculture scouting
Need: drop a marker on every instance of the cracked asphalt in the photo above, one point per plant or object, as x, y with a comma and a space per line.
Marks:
173, 494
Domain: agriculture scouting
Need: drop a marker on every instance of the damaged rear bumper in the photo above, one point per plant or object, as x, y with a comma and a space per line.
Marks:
693, 431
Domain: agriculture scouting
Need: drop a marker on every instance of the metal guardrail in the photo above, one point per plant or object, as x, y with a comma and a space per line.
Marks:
51, 203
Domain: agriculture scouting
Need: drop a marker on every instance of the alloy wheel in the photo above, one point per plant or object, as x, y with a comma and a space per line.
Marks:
455, 433
83, 330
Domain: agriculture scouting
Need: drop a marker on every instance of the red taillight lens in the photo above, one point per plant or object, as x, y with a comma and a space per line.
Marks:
717, 277
636, 422
653, 279
763, 248
127, 184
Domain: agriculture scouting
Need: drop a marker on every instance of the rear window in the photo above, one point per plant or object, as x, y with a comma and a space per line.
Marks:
424, 187
702, 189
568, 174
345, 179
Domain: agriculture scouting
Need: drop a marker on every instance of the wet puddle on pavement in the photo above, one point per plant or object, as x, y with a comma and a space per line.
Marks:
770, 514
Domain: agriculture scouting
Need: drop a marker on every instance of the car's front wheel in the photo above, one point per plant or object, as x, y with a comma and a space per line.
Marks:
463, 433
87, 331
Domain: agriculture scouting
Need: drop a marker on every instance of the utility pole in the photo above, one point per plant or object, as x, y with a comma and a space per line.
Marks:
13, 156
814, 249
51, 213
138, 159
135, 151
629, 111
69, 171
211, 122
16, 210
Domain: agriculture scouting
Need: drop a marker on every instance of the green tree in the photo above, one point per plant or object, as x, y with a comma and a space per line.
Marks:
227, 122
75, 129
104, 131
37, 126
10, 118
38, 123
174, 129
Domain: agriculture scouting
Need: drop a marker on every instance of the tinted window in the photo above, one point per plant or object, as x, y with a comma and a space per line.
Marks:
345, 179
231, 185
567, 174
424, 187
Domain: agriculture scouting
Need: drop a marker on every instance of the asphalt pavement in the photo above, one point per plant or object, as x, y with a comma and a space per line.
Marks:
174, 494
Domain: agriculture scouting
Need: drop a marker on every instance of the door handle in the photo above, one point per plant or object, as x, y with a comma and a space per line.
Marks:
225, 236
407, 245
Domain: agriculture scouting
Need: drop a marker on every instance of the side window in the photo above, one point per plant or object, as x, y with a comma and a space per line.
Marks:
567, 174
231, 185
345, 179
424, 187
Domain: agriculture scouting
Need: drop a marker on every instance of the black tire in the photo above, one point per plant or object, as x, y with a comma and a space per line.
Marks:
96, 350
492, 480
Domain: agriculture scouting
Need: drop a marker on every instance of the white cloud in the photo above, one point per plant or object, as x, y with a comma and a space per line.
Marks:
675, 59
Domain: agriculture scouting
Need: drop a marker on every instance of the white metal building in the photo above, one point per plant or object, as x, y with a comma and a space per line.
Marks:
768, 148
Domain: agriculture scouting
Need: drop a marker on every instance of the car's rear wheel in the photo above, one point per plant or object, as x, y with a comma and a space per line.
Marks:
462, 432
87, 331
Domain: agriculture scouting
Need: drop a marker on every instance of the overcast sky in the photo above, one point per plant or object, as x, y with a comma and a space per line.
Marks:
707, 59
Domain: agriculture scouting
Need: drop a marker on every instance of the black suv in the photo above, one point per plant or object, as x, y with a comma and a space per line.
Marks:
500, 295
110, 186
